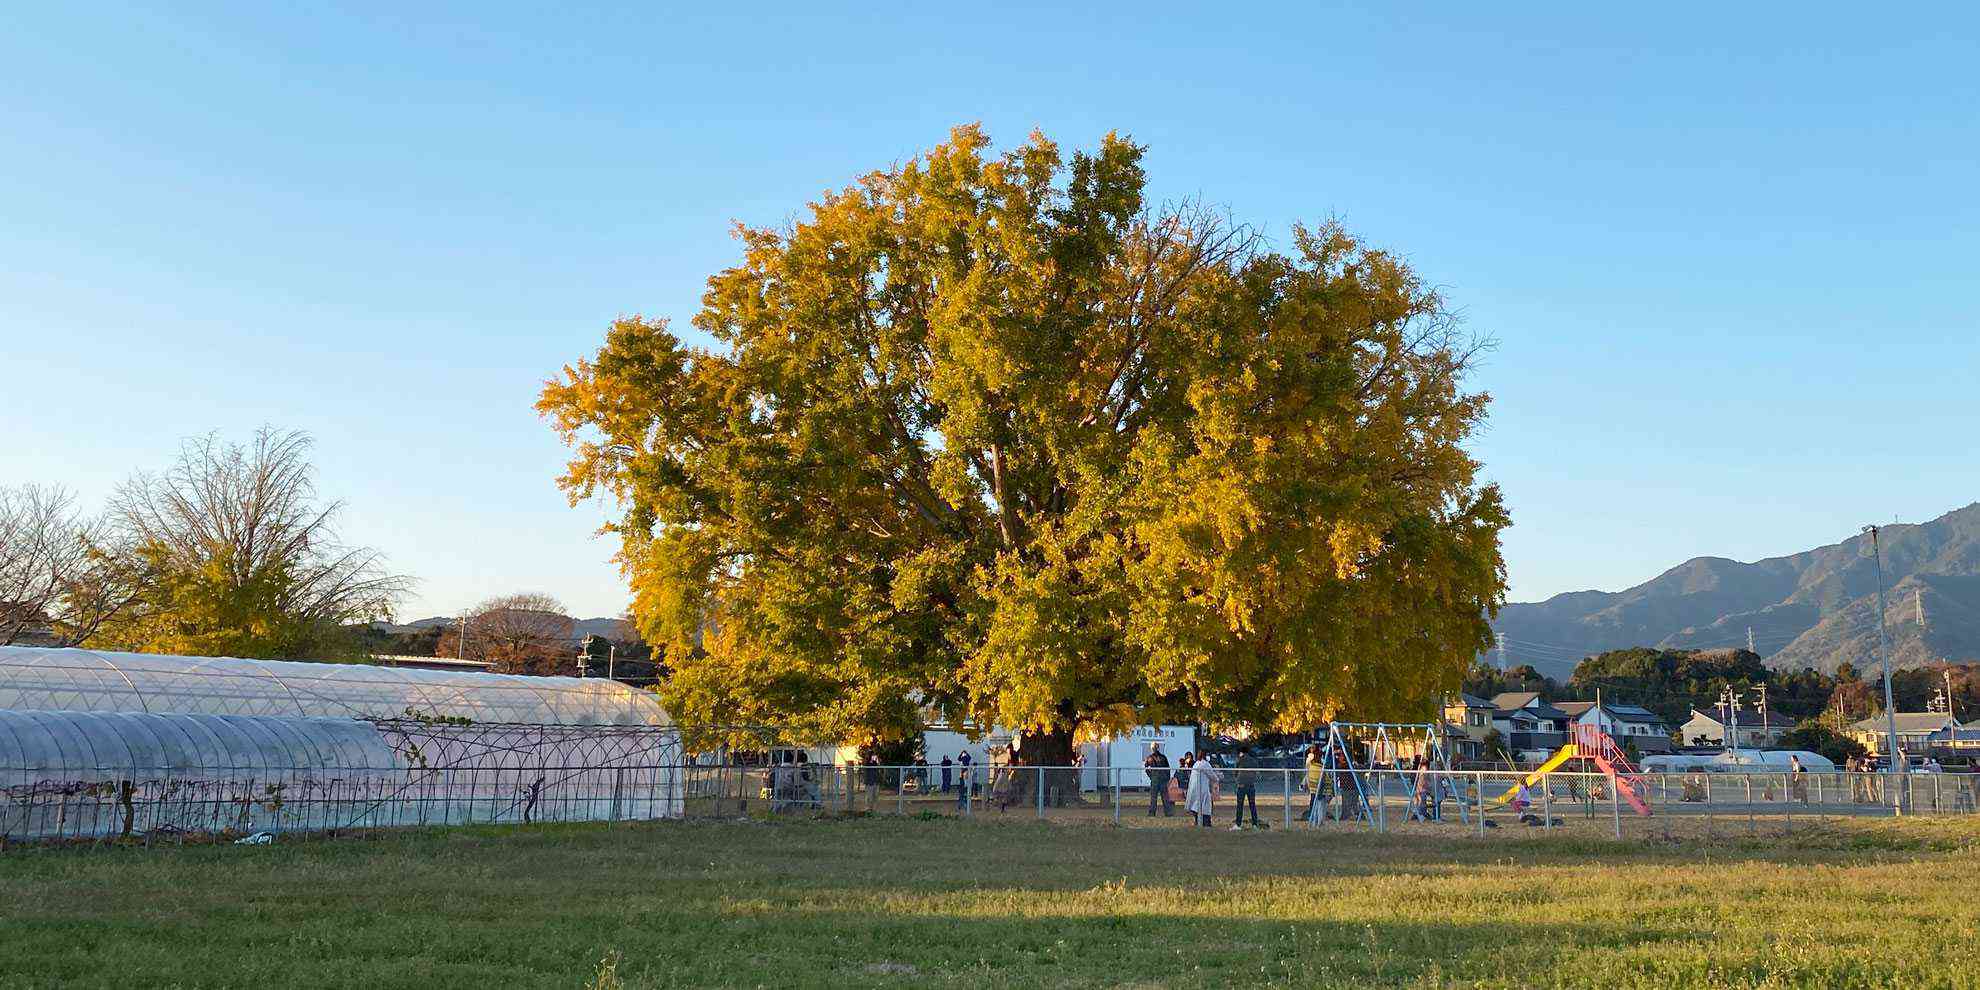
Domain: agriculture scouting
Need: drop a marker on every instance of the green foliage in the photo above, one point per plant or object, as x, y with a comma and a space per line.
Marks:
1815, 737
210, 608
983, 433
1486, 681
230, 554
1672, 682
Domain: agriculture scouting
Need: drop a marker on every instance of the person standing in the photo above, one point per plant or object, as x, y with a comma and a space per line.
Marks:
1246, 790
1157, 765
1316, 794
1202, 798
870, 776
965, 779
948, 767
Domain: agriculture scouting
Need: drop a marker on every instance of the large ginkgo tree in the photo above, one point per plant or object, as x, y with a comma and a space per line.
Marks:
987, 438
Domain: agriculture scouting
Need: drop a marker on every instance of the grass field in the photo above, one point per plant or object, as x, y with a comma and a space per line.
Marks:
907, 902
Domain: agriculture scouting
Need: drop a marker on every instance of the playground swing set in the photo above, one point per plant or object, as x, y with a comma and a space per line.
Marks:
1356, 778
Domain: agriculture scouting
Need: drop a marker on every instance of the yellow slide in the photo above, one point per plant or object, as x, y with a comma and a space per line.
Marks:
1567, 753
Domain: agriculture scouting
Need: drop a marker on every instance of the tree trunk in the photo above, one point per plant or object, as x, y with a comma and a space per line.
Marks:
1049, 749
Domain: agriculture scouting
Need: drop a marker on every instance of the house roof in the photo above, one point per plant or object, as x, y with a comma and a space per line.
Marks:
1574, 709
1907, 722
1473, 701
1749, 718
1508, 701
1537, 710
1634, 713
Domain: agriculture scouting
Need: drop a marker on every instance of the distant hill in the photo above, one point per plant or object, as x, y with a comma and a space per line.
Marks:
617, 630
1811, 609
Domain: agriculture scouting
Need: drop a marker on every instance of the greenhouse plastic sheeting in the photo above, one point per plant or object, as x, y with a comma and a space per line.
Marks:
95, 681
88, 747
93, 775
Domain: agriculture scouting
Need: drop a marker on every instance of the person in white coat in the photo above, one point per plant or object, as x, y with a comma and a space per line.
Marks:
1202, 798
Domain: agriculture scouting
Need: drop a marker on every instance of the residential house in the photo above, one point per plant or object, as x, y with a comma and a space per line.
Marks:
1757, 730
1917, 732
1528, 723
1470, 717
1626, 724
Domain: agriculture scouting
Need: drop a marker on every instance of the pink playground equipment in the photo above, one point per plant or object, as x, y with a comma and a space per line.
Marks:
1589, 742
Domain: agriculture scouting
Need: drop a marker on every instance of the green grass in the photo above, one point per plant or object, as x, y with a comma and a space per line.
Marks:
904, 902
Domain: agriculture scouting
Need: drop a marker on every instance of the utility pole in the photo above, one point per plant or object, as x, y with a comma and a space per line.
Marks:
1761, 708
1884, 649
1749, 641
462, 644
1729, 717
1946, 675
1502, 651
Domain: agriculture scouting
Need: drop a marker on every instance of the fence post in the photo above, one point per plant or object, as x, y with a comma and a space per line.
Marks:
1115, 773
1285, 792
1041, 791
900, 792
1480, 774
1547, 800
1615, 801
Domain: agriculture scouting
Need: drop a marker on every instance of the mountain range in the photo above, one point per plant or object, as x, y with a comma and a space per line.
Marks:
1811, 609
617, 630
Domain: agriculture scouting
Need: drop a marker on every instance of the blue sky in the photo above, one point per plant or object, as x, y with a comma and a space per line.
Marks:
1728, 253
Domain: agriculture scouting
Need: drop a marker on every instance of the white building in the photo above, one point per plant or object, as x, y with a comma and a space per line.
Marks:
1757, 730
1623, 723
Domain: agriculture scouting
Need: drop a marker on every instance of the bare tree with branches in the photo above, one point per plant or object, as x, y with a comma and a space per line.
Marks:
60, 577
237, 552
521, 633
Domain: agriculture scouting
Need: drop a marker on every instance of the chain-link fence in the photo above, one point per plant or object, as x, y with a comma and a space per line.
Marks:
507, 779
1467, 802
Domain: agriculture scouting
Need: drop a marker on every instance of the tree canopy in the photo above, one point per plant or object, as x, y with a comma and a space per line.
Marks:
987, 434
232, 554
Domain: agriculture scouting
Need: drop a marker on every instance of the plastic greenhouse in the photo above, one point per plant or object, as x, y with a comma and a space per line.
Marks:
102, 744
92, 681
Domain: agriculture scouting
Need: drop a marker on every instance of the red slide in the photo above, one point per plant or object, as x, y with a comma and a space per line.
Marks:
1608, 757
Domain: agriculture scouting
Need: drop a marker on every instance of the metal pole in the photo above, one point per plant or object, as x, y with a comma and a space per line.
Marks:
1480, 775
1382, 802
1547, 801
1751, 824
1615, 804
1116, 773
1285, 792
1041, 791
1884, 651
900, 791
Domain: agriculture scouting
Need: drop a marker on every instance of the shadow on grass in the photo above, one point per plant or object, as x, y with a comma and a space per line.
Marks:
902, 902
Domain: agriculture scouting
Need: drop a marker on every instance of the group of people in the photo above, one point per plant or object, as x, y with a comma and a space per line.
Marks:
1196, 782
